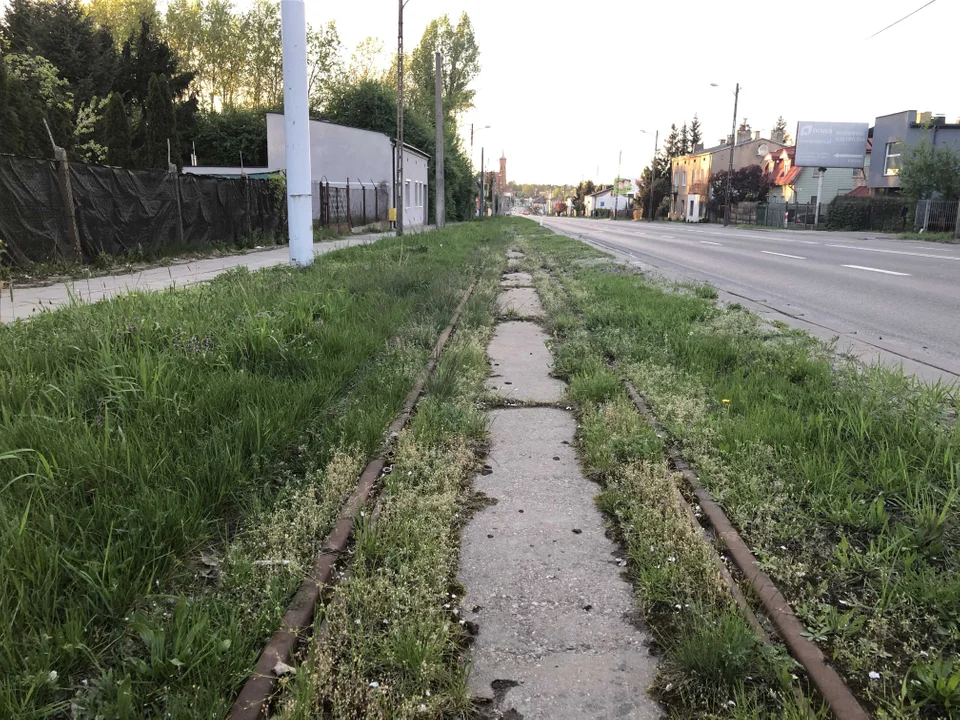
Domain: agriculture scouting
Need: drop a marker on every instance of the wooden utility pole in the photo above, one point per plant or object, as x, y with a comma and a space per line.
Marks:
440, 197
66, 194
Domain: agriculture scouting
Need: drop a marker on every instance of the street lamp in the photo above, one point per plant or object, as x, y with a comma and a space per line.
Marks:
653, 169
482, 194
485, 127
733, 144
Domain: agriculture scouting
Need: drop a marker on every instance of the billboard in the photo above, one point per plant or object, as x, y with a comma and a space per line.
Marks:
625, 186
831, 144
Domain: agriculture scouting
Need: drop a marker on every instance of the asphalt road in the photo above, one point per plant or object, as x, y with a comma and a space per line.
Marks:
896, 301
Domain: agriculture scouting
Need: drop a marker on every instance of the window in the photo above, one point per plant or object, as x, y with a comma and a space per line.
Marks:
419, 189
406, 194
891, 165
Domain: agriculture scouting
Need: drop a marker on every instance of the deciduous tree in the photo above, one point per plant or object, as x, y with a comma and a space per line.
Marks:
927, 170
123, 17
460, 65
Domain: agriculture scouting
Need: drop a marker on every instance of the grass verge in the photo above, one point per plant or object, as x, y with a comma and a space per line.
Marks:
172, 459
844, 482
940, 237
392, 644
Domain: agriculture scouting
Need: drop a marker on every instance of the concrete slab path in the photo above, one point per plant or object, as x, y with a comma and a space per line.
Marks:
521, 364
558, 636
517, 279
523, 301
31, 300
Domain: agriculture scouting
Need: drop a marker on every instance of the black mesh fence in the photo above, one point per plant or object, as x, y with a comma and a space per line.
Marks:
118, 210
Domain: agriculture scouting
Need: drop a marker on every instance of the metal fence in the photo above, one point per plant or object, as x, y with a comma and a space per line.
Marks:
936, 216
345, 205
798, 216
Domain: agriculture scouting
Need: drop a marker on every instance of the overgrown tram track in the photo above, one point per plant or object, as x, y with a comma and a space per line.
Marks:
775, 607
253, 701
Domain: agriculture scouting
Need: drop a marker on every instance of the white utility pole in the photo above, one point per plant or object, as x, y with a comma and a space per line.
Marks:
296, 123
816, 214
399, 179
440, 201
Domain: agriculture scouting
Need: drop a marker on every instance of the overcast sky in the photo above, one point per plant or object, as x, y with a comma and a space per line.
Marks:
566, 90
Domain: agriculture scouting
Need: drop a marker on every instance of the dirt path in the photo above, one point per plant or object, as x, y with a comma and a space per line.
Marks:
557, 634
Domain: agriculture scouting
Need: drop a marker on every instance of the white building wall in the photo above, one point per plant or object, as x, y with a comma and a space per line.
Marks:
339, 153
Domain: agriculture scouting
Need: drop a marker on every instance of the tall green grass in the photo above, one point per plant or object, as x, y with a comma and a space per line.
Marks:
844, 481
140, 436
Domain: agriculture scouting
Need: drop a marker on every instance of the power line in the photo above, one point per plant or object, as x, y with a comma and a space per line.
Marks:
901, 19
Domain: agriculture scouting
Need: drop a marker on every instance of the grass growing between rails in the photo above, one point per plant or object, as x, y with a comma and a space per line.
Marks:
394, 640
172, 460
843, 482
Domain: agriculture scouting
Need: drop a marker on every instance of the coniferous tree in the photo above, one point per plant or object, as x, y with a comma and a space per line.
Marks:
780, 126
696, 134
161, 125
672, 143
117, 132
684, 141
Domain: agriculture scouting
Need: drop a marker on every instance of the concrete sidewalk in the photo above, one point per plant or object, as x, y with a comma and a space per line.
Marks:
31, 300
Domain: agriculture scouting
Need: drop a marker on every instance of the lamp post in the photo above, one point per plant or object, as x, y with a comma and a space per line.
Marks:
653, 169
733, 145
481, 203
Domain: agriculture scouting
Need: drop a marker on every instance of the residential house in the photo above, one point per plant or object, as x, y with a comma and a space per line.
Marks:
795, 184
603, 201
539, 204
690, 174
339, 154
891, 133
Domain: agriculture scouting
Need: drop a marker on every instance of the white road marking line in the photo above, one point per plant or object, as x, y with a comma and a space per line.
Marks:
896, 252
707, 242
885, 272
795, 257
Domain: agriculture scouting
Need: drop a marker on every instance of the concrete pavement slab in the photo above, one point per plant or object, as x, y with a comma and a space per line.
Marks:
557, 634
524, 301
516, 279
521, 364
